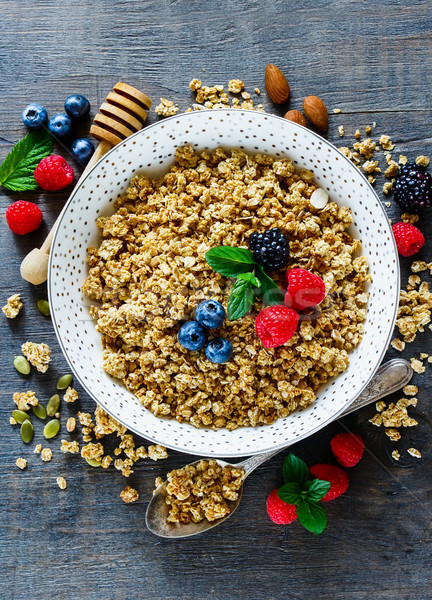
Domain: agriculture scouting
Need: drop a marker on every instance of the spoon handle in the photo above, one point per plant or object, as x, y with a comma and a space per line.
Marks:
389, 378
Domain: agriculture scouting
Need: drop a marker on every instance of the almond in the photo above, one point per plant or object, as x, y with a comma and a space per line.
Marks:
276, 85
295, 116
316, 112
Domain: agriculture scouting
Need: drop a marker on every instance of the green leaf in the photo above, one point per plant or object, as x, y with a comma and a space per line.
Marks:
251, 278
230, 261
295, 470
317, 489
270, 291
312, 516
290, 492
241, 300
16, 171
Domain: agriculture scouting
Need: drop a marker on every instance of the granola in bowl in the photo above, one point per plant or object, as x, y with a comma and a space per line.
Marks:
149, 273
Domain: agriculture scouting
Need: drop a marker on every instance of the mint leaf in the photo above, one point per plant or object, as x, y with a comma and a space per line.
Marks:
230, 261
312, 516
16, 171
290, 492
251, 278
241, 299
317, 489
270, 291
295, 470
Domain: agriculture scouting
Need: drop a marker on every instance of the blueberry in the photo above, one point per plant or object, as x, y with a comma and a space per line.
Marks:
219, 350
210, 314
82, 150
77, 106
192, 336
60, 126
34, 116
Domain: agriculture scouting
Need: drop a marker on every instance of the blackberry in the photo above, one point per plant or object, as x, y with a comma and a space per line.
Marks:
413, 188
270, 249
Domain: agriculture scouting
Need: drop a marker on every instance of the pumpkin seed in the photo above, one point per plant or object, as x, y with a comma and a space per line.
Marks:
53, 405
39, 411
27, 432
64, 382
43, 307
93, 462
22, 365
51, 429
20, 416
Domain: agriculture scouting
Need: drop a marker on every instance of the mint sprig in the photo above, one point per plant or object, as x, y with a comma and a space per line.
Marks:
16, 171
270, 291
305, 492
230, 261
242, 296
251, 278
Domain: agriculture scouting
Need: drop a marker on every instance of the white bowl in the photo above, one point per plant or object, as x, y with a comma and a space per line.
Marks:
151, 151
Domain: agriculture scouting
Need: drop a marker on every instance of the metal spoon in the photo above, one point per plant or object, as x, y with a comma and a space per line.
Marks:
389, 378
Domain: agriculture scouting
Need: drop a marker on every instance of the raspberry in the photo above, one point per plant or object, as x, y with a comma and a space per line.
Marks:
348, 448
335, 475
305, 289
408, 238
275, 325
413, 188
279, 511
53, 173
23, 217
270, 249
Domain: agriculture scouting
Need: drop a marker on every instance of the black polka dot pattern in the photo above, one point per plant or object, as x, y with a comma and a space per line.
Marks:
151, 151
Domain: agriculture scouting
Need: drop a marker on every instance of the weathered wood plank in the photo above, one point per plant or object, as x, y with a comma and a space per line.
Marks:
373, 60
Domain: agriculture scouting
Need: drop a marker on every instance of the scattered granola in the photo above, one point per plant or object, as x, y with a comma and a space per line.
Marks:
71, 424
414, 452
72, 447
61, 482
422, 161
12, 421
71, 395
24, 400
393, 434
386, 143
357, 134
21, 463
129, 494
46, 454
39, 355
13, 306
417, 366
396, 454
38, 449
157, 273
157, 452
398, 344
92, 451
166, 108
202, 491
410, 390
414, 311
341, 130
337, 111
403, 159
235, 86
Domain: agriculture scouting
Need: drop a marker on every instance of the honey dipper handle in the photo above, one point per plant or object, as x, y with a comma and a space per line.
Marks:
34, 267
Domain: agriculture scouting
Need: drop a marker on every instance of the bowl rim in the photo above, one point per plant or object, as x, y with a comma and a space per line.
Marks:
283, 444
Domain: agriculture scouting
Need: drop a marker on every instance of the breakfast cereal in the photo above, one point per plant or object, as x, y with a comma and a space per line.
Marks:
149, 273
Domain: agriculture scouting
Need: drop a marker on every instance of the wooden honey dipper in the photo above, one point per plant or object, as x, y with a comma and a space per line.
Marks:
122, 114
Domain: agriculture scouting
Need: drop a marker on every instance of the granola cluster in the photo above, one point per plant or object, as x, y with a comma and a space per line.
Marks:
149, 273
202, 491
13, 306
39, 355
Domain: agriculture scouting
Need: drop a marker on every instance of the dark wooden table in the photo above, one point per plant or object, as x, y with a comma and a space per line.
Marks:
373, 60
